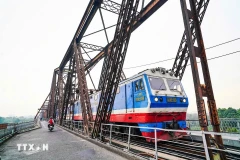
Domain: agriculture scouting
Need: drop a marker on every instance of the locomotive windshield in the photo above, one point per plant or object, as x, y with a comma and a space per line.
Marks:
174, 85
157, 83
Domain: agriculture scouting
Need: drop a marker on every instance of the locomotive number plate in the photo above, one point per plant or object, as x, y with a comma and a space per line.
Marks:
139, 99
172, 99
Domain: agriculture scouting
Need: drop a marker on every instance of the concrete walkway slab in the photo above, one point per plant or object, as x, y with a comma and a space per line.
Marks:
59, 144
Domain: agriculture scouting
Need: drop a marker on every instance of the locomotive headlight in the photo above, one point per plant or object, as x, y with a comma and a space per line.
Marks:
184, 100
156, 99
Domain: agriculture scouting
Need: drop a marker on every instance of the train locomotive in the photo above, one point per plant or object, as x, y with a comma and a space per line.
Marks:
152, 98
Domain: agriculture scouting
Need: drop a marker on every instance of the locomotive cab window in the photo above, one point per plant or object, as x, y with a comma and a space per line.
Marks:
139, 85
157, 83
175, 85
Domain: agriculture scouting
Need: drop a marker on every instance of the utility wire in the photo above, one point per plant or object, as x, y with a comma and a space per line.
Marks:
174, 58
150, 63
228, 54
222, 43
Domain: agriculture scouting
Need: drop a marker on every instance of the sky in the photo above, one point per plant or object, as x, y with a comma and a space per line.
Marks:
34, 36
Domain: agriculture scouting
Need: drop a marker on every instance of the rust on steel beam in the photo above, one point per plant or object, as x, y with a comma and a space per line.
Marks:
57, 96
112, 69
83, 89
43, 105
60, 98
52, 97
190, 19
207, 88
86, 19
182, 56
67, 90
143, 15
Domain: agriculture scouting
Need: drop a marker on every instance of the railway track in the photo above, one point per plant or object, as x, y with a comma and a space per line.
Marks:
177, 149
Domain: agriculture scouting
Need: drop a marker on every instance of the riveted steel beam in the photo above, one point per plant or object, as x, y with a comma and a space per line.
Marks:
112, 67
182, 56
191, 22
143, 15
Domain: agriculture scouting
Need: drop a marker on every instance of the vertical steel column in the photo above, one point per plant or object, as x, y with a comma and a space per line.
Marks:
60, 100
56, 97
67, 90
182, 56
198, 91
115, 62
207, 88
52, 100
83, 89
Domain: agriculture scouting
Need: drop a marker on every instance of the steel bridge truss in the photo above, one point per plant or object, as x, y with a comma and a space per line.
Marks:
113, 63
69, 82
193, 32
65, 88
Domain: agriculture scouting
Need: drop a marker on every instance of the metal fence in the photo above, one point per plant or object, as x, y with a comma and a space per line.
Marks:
125, 138
13, 128
156, 148
227, 125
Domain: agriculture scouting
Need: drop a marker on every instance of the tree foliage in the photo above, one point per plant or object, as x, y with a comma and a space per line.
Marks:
228, 113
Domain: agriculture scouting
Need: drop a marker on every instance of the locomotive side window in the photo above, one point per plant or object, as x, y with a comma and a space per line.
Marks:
157, 83
136, 86
139, 85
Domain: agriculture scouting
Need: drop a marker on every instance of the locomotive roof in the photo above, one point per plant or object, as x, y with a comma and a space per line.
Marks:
158, 72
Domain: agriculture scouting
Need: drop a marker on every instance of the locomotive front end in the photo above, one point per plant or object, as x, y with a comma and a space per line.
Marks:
168, 105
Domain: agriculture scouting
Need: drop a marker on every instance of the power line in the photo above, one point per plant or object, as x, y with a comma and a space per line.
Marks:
174, 58
220, 56
222, 43
150, 63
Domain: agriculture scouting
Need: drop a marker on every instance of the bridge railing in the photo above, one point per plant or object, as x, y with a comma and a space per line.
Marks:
9, 129
126, 138
227, 125
180, 141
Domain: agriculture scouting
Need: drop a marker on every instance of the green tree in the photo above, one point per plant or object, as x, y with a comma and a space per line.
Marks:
221, 112
238, 113
228, 113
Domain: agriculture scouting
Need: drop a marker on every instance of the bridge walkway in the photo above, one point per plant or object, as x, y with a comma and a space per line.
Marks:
58, 144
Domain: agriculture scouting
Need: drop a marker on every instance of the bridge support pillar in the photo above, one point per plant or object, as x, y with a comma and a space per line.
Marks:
192, 24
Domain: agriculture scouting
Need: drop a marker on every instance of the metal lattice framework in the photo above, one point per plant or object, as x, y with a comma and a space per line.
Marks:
83, 89
69, 79
182, 57
191, 22
113, 63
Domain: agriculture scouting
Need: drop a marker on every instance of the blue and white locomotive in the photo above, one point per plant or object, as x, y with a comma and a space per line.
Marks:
152, 98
